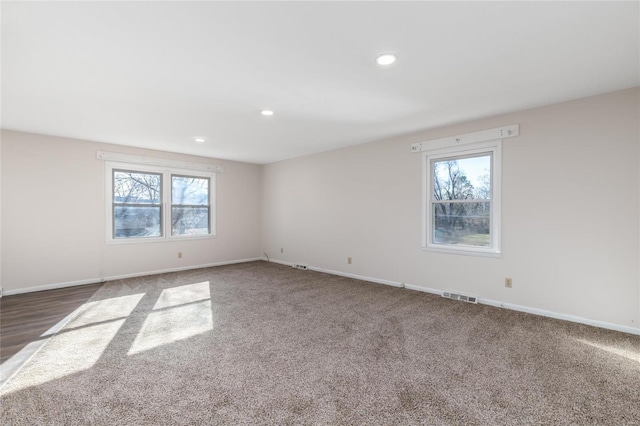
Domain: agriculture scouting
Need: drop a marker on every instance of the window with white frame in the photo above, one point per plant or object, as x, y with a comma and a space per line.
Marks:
148, 203
136, 207
461, 211
190, 209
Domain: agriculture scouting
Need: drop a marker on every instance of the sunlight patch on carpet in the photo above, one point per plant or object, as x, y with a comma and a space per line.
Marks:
88, 315
69, 353
183, 294
106, 310
179, 313
81, 343
629, 354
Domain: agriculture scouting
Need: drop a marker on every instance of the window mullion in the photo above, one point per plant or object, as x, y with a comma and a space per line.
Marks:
137, 205
466, 200
166, 180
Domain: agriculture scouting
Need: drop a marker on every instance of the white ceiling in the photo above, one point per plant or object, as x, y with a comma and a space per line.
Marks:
155, 75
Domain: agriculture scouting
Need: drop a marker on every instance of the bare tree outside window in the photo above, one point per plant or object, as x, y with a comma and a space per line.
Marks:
461, 205
190, 205
137, 204
159, 203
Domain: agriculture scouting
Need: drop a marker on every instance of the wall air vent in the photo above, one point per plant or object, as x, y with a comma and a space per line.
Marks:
300, 266
459, 296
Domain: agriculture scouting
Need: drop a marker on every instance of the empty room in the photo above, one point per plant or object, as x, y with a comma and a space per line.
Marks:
320, 213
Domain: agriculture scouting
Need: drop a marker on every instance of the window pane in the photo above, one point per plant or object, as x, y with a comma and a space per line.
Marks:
189, 190
189, 220
462, 223
136, 222
462, 178
136, 188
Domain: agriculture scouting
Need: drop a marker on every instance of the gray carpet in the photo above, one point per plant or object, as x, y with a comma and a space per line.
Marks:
264, 343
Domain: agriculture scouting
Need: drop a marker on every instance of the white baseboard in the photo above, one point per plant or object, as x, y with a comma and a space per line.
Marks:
424, 289
123, 276
52, 286
541, 312
281, 262
342, 274
511, 306
565, 317
357, 277
180, 268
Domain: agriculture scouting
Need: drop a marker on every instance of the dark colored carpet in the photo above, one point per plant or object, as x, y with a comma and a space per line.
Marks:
264, 343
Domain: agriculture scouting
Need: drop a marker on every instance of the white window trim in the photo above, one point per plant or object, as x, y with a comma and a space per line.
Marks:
455, 149
504, 132
166, 202
140, 160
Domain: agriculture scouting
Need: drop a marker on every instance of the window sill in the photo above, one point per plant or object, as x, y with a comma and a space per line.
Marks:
159, 239
463, 252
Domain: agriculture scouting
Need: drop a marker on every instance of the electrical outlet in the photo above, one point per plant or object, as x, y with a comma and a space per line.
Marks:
281, 250
349, 260
508, 282
179, 255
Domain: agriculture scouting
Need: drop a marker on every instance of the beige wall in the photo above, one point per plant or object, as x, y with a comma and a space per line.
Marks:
569, 215
53, 215
571, 218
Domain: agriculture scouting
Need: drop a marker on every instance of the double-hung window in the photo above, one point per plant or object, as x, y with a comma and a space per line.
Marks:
461, 211
147, 203
136, 209
190, 208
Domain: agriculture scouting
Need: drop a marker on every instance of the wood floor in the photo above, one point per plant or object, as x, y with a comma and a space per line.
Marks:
24, 318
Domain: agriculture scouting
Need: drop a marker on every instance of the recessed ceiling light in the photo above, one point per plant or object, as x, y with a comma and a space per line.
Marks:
386, 59
266, 112
199, 139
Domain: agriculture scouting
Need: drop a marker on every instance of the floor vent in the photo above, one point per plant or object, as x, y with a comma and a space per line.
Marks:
458, 296
300, 266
